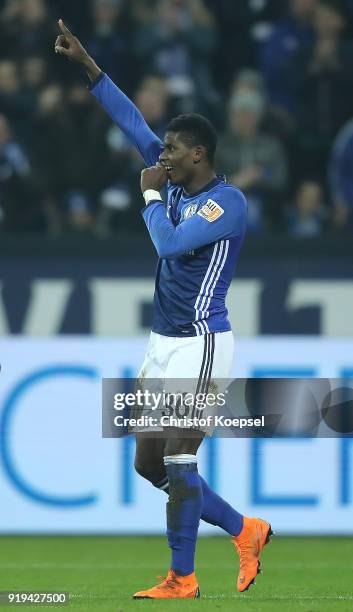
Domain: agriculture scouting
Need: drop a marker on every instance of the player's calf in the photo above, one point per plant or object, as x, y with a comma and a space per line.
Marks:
184, 509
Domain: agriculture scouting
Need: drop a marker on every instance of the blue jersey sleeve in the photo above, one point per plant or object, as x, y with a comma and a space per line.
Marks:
125, 114
220, 218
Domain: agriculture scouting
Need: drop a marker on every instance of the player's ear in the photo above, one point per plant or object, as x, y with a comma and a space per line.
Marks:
198, 154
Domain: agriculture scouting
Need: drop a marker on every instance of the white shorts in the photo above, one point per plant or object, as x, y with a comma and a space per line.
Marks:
199, 363
208, 355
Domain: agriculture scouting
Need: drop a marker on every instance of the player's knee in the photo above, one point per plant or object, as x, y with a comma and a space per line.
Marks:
147, 470
181, 446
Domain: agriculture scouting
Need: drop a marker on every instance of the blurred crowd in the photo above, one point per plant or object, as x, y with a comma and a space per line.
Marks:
274, 76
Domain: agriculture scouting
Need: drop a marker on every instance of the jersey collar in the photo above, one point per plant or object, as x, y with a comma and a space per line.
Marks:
216, 181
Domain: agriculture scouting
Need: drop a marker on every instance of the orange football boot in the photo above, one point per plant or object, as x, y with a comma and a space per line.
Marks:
172, 587
249, 544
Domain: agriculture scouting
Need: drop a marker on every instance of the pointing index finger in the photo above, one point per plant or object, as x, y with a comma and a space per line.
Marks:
65, 30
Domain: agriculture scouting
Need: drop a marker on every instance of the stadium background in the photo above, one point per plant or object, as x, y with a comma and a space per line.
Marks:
76, 265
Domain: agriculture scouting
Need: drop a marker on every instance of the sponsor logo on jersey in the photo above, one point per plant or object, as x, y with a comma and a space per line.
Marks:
211, 211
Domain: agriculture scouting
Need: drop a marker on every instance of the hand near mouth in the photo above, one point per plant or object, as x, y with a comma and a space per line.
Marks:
154, 178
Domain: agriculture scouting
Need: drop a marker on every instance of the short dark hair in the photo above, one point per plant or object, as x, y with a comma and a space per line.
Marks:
195, 130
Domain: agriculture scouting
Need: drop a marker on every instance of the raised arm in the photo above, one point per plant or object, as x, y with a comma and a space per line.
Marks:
122, 111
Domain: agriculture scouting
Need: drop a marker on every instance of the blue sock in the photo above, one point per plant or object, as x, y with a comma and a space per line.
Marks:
183, 511
218, 512
215, 510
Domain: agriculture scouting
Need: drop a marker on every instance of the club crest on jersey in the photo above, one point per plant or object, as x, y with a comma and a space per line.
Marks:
189, 211
211, 211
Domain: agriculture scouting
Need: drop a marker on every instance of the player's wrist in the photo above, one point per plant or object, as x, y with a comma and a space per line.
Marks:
151, 194
92, 70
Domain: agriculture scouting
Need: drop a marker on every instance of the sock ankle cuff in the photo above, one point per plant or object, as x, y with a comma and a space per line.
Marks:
180, 459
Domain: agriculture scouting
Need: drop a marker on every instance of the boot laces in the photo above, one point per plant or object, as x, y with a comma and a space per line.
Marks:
167, 581
245, 550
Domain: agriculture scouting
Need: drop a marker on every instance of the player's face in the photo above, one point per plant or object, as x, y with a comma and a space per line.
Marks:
178, 159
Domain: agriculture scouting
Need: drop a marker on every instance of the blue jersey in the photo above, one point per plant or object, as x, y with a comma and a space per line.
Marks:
197, 237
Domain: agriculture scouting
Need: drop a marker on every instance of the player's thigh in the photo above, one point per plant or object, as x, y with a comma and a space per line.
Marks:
150, 380
149, 457
182, 442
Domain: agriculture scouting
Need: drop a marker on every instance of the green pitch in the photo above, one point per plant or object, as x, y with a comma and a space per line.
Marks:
101, 573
